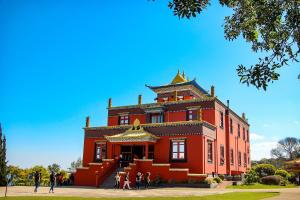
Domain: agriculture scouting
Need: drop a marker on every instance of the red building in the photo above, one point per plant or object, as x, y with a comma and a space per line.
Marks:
187, 134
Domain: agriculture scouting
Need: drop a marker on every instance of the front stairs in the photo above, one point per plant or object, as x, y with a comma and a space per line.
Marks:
109, 182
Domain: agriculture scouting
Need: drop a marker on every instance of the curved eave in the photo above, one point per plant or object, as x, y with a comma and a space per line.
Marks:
193, 82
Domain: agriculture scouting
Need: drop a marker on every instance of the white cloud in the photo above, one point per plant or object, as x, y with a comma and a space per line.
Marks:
255, 137
261, 146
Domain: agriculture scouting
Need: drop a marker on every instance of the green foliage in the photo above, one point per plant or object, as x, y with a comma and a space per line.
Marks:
54, 167
271, 27
187, 8
3, 163
251, 177
209, 180
217, 179
283, 173
221, 176
264, 170
25, 177
271, 180
260, 186
75, 164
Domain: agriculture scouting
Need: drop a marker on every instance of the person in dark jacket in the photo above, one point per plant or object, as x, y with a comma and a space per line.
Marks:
37, 179
52, 182
138, 180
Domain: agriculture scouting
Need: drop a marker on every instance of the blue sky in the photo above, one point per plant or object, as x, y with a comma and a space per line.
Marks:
61, 60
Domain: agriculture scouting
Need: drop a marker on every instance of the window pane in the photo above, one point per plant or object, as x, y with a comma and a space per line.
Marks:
175, 147
181, 148
181, 155
175, 156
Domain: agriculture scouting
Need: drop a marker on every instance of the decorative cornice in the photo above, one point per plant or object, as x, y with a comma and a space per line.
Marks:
178, 123
149, 105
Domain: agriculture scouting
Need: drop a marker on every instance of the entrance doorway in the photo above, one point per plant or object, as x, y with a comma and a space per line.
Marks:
131, 152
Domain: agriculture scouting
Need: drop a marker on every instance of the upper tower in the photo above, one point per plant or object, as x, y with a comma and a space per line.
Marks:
179, 89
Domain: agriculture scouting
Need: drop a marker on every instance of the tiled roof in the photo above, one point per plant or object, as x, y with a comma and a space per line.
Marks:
193, 82
159, 129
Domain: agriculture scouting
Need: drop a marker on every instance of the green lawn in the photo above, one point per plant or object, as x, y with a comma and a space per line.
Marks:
227, 196
260, 186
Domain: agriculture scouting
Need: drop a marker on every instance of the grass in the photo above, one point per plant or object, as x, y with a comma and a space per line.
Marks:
227, 196
260, 186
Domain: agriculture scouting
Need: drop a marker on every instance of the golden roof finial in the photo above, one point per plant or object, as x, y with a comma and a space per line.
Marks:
179, 78
183, 75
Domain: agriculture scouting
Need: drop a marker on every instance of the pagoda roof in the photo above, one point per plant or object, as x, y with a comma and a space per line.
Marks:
156, 129
192, 82
134, 134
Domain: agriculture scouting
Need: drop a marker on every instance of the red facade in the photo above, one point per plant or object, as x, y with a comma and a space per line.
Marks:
187, 134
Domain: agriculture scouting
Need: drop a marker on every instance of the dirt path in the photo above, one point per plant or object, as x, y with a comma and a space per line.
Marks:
285, 194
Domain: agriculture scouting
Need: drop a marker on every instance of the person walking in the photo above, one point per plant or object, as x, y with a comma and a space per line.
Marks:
117, 181
126, 181
52, 182
138, 180
37, 179
147, 180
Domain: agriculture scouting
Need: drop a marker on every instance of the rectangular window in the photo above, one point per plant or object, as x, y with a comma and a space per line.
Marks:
179, 98
190, 115
239, 130
100, 151
240, 158
231, 157
245, 160
247, 135
221, 119
231, 126
124, 120
244, 134
222, 155
157, 118
178, 150
209, 151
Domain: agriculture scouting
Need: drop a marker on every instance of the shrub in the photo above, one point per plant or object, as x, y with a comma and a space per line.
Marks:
250, 177
271, 180
265, 170
283, 173
221, 176
209, 180
217, 179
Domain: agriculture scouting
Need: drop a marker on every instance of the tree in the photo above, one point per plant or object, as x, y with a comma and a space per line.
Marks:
3, 162
265, 170
287, 148
75, 164
54, 167
271, 27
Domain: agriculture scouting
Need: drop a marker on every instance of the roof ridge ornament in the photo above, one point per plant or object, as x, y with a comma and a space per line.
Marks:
179, 78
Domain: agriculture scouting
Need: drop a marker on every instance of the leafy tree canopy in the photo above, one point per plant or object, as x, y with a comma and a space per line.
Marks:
75, 164
270, 26
54, 167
